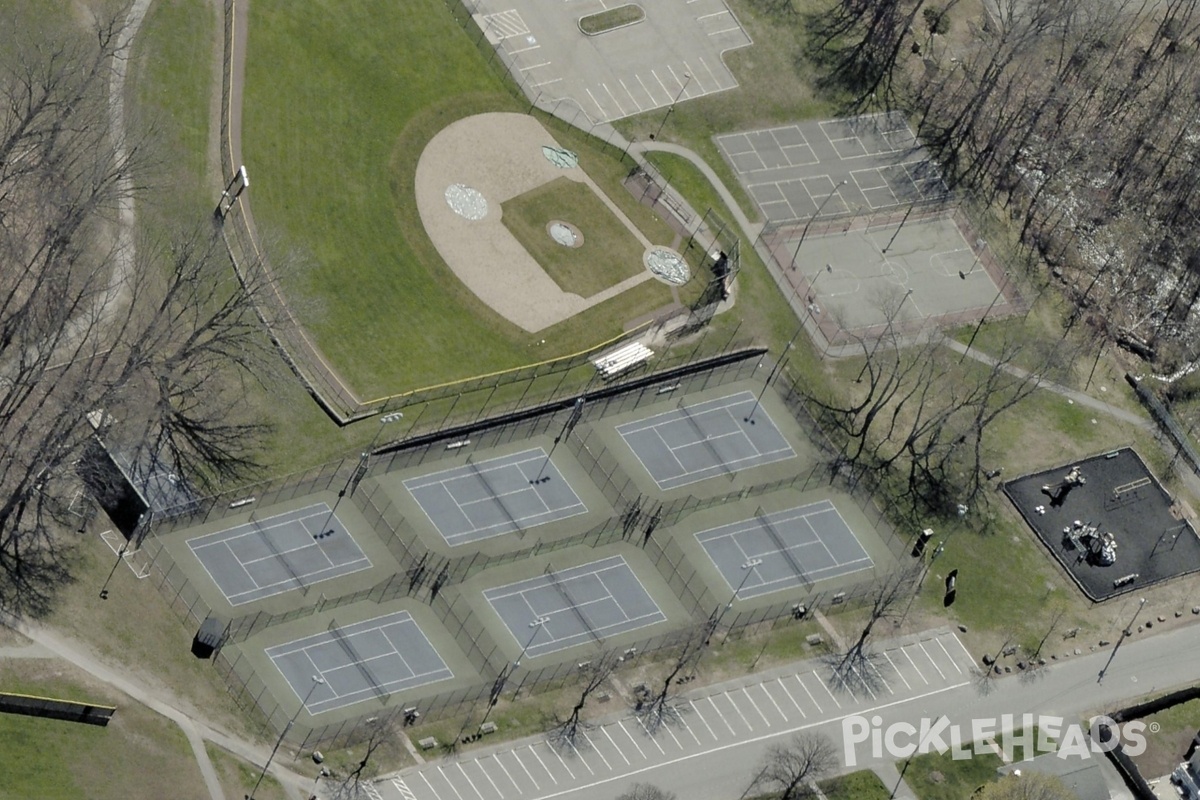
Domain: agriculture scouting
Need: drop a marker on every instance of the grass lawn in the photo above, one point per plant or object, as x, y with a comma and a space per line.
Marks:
861, 785
609, 253
340, 102
138, 756
1165, 747
937, 776
238, 777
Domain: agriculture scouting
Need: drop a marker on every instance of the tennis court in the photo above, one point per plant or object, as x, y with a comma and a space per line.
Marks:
784, 550
574, 606
717, 437
374, 658
496, 496
266, 557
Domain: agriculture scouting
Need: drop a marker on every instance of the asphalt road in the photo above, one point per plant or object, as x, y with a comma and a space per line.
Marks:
720, 767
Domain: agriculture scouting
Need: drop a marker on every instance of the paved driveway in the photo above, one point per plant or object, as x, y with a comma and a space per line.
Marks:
675, 53
716, 718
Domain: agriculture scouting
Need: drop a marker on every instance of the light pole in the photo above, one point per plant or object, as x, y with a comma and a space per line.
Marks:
1124, 635
811, 219
316, 681
886, 331
983, 319
749, 568
537, 624
687, 79
363, 462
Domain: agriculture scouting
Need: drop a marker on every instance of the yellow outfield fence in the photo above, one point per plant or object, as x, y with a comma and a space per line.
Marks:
53, 708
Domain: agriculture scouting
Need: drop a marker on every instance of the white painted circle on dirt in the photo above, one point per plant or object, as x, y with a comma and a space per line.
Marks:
667, 265
466, 202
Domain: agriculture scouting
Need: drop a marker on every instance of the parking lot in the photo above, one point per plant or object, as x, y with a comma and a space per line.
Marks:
674, 54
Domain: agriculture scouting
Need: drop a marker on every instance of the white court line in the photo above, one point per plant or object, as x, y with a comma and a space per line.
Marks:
496, 758
596, 750
631, 739
448, 783
604, 730
920, 674
713, 703
826, 688
258, 526
671, 452
702, 719
789, 694
896, 670
479, 764
474, 788
931, 661
513, 753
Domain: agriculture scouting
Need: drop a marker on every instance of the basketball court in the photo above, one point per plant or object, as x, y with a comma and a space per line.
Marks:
375, 658
574, 606
691, 443
784, 550
495, 496
266, 557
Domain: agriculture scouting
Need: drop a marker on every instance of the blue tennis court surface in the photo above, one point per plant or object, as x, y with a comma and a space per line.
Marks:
500, 495
270, 556
576, 606
793, 548
374, 658
717, 437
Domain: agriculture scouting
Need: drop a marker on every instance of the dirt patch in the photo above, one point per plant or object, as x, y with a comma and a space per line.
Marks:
500, 156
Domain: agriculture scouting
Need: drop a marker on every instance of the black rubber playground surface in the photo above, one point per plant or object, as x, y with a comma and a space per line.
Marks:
784, 549
717, 437
1122, 497
266, 557
588, 603
500, 495
373, 658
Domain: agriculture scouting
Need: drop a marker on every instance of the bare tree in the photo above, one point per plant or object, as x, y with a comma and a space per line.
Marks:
152, 345
566, 734
645, 791
656, 708
853, 667
1028, 785
788, 769
353, 785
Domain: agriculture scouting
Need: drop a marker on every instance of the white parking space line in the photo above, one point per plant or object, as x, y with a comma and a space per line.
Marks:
931, 661
702, 719
739, 711
482, 771
616, 102
745, 691
789, 694
513, 753
896, 670
631, 739
949, 657
649, 94
866, 684
631, 97
651, 738
826, 688
524, 50
914, 665
713, 703
446, 778
771, 697
594, 100
879, 675
560, 760
673, 736
543, 763
689, 729
604, 730
963, 647
430, 785
534, 66
468, 777
695, 79
660, 83
507, 774
547, 83
596, 750
812, 699
579, 756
